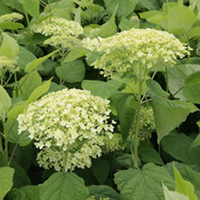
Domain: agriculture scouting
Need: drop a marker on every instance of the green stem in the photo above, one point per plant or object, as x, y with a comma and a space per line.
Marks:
16, 88
136, 140
167, 79
1, 144
65, 169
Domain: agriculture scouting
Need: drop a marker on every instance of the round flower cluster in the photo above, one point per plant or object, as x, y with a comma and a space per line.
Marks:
147, 47
12, 17
91, 43
7, 64
63, 41
147, 123
70, 124
57, 26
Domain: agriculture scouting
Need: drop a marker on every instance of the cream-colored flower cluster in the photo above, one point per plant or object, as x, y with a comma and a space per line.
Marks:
12, 17
147, 47
69, 122
57, 26
7, 64
91, 44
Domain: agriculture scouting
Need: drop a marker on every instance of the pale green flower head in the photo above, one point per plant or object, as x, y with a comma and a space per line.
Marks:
147, 47
12, 17
70, 121
57, 26
91, 44
63, 42
7, 64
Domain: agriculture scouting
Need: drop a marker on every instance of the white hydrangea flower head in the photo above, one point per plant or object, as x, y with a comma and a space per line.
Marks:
12, 17
121, 52
69, 120
63, 41
55, 25
91, 43
7, 64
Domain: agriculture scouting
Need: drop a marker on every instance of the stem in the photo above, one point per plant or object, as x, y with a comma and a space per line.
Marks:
16, 89
13, 152
65, 161
1, 144
137, 124
167, 79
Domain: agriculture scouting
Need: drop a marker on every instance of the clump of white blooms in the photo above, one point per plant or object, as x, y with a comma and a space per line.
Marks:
63, 41
12, 17
69, 123
7, 64
55, 25
91, 43
147, 47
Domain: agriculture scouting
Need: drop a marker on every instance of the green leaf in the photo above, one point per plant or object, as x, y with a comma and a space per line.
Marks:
11, 25
168, 115
103, 191
6, 177
149, 5
155, 89
100, 169
191, 91
39, 91
13, 4
125, 161
125, 106
145, 184
194, 32
4, 9
31, 7
180, 20
184, 187
63, 186
9, 46
110, 27
101, 88
177, 76
5, 100
126, 24
29, 192
189, 105
178, 146
196, 142
28, 84
35, 63
75, 53
125, 7
148, 154
3, 162
72, 72
169, 195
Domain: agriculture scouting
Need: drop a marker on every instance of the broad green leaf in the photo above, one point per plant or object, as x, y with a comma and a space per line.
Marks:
178, 146
194, 32
145, 184
5, 100
31, 7
177, 75
110, 27
63, 186
103, 191
191, 91
100, 169
35, 63
72, 72
125, 106
149, 5
6, 180
180, 20
148, 154
125, 161
189, 105
4, 9
168, 115
170, 195
126, 24
9, 46
3, 162
28, 84
76, 53
155, 89
77, 17
22, 139
11, 25
13, 4
101, 88
20, 177
29, 192
39, 91
125, 7
184, 187
196, 142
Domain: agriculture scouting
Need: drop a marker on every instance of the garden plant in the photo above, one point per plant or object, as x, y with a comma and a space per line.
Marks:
99, 100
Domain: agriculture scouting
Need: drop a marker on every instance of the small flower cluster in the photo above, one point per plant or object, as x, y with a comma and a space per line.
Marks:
147, 123
7, 64
57, 26
12, 17
101, 198
68, 122
148, 47
91, 43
